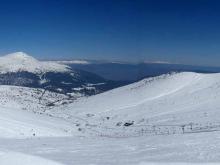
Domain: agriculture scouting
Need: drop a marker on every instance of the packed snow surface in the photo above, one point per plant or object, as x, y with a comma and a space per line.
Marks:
187, 149
12, 158
170, 119
20, 61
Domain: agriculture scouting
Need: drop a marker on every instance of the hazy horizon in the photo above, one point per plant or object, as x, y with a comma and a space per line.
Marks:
183, 32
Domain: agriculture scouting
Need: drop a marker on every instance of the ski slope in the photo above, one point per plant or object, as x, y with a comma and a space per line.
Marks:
174, 99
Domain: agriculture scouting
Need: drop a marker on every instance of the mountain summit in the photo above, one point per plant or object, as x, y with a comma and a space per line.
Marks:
21, 61
19, 55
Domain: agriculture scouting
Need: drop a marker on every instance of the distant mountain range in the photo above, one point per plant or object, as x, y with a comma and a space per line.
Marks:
20, 69
81, 77
135, 72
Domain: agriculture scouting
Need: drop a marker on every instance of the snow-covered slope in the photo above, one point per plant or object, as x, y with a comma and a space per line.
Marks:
174, 99
182, 108
137, 93
17, 123
23, 113
12, 158
167, 102
30, 99
20, 61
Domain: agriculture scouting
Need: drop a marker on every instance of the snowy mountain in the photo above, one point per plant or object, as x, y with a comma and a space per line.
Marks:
21, 69
173, 118
172, 99
180, 99
21, 62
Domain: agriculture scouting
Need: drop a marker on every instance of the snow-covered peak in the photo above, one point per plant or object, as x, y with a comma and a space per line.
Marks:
21, 61
19, 55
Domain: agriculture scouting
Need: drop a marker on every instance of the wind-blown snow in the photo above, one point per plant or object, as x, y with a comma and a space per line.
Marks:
20, 61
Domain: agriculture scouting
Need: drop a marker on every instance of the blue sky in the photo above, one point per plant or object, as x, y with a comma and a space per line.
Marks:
176, 31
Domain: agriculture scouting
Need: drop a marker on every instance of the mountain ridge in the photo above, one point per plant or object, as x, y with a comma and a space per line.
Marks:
21, 69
